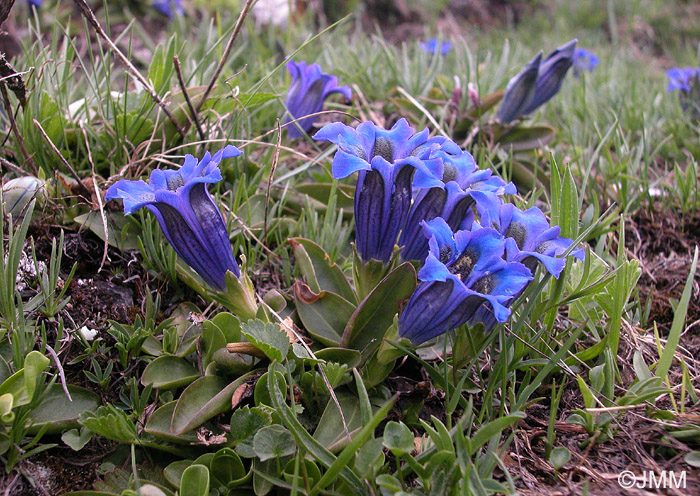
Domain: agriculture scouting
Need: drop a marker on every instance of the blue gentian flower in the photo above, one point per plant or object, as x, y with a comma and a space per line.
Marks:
167, 7
680, 79
309, 89
386, 161
536, 84
433, 46
451, 200
551, 74
34, 3
187, 214
519, 92
530, 238
584, 60
463, 272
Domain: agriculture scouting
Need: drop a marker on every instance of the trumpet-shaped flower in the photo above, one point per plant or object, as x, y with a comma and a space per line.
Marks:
584, 60
530, 239
187, 213
452, 201
309, 89
433, 47
463, 272
386, 161
536, 84
680, 79
168, 7
519, 92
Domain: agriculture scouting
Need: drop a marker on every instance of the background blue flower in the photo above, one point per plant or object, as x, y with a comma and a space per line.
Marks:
584, 60
433, 46
167, 7
679, 79
187, 213
309, 89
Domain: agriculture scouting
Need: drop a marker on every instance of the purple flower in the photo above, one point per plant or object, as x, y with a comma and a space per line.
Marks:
309, 89
187, 214
167, 7
451, 200
463, 274
386, 161
536, 84
34, 3
680, 79
584, 60
433, 46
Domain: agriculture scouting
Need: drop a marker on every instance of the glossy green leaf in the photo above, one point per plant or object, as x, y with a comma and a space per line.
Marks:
195, 481
375, 314
246, 422
227, 468
169, 372
273, 441
345, 356
330, 431
323, 314
203, 399
56, 413
158, 426
398, 438
319, 272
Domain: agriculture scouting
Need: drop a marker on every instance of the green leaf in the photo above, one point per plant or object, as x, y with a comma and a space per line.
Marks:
559, 457
203, 399
56, 414
323, 314
213, 340
111, 423
303, 438
195, 481
375, 314
318, 270
158, 426
77, 439
678, 322
330, 432
227, 468
169, 372
398, 438
493, 428
246, 422
273, 441
268, 338
34, 364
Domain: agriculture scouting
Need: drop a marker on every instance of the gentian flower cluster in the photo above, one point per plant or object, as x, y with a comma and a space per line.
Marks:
309, 89
169, 7
536, 84
473, 276
478, 253
187, 213
433, 47
584, 60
